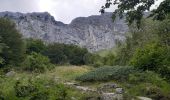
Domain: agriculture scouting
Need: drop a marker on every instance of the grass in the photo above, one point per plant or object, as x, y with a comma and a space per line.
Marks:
137, 84
71, 72
65, 73
62, 73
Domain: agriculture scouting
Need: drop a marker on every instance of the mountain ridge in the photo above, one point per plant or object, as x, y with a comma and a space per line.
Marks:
96, 32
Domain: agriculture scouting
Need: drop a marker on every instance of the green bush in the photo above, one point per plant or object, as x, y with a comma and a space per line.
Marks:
148, 90
146, 77
2, 96
149, 57
24, 90
40, 96
153, 57
119, 73
148, 84
37, 63
41, 90
109, 59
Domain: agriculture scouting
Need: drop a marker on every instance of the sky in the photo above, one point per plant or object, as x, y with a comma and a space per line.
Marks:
62, 10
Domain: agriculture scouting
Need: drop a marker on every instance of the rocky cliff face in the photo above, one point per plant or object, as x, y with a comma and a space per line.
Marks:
94, 33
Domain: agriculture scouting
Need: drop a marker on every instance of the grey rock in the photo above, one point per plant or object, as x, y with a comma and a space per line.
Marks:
10, 74
143, 98
119, 90
111, 96
94, 33
109, 87
71, 84
85, 89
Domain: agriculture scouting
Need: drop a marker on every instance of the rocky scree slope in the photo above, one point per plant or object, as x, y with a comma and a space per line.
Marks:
95, 32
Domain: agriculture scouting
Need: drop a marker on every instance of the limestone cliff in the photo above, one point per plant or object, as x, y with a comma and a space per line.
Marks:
94, 32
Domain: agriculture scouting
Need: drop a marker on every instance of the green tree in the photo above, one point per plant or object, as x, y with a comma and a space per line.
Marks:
136, 38
14, 50
66, 54
77, 55
56, 53
134, 9
35, 45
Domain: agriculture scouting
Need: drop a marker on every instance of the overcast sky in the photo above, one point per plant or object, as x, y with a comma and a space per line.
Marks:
62, 10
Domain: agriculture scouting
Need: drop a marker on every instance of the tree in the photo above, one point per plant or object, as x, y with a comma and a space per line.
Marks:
13, 52
35, 45
2, 45
135, 9
56, 53
66, 54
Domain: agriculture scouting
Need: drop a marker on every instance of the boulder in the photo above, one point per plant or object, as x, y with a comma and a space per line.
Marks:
119, 90
10, 74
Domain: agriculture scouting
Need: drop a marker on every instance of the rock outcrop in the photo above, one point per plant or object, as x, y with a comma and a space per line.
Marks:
94, 32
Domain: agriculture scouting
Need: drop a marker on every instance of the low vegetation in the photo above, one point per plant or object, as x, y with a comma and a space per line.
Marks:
35, 62
119, 73
42, 86
40, 70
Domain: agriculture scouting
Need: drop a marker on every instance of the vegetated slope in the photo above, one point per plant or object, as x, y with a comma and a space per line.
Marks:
96, 32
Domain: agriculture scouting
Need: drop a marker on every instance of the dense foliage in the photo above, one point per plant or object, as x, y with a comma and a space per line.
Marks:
36, 91
35, 45
147, 48
33, 89
135, 9
36, 62
149, 84
12, 45
63, 54
119, 73
151, 57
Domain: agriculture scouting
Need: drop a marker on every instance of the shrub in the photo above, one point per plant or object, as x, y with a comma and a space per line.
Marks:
153, 57
149, 90
119, 73
2, 96
40, 96
147, 76
109, 59
24, 90
148, 84
37, 62
41, 90
149, 57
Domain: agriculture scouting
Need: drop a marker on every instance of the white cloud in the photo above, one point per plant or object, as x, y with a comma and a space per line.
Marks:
62, 10
19, 5
66, 10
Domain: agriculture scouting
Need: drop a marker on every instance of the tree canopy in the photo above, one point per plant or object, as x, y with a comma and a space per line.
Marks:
135, 9
12, 44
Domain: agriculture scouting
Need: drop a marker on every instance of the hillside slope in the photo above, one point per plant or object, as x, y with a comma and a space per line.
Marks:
95, 33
